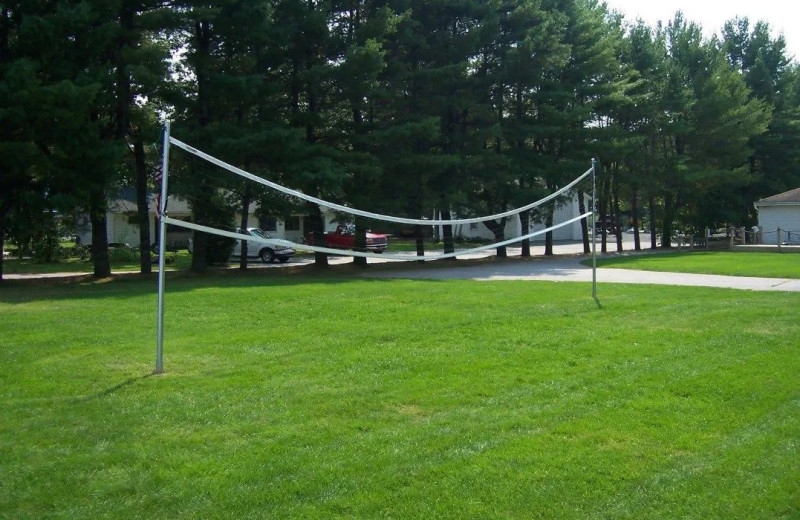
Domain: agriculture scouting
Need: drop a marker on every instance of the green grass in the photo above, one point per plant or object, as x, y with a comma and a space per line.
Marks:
75, 265
311, 397
183, 260
767, 265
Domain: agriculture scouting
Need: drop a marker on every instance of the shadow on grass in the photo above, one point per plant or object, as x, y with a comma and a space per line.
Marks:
109, 391
125, 285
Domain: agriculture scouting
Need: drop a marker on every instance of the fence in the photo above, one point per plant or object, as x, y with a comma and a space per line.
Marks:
756, 236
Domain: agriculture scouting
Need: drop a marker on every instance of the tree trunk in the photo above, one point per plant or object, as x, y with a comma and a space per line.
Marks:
651, 203
666, 224
142, 209
200, 204
156, 230
199, 257
637, 243
420, 236
358, 180
2, 244
548, 237
202, 33
603, 218
584, 224
525, 226
498, 230
243, 227
447, 230
98, 218
318, 229
615, 202
124, 96
360, 241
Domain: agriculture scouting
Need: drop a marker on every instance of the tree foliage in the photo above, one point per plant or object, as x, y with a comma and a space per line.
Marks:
459, 106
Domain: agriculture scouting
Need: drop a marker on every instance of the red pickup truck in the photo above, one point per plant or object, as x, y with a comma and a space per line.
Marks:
345, 238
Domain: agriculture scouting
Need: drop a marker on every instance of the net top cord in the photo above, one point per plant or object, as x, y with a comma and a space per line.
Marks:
368, 214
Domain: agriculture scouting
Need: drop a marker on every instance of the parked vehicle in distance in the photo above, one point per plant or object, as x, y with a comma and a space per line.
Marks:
608, 224
345, 238
266, 253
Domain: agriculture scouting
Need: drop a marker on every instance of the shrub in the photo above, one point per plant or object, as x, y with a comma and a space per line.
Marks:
219, 249
123, 254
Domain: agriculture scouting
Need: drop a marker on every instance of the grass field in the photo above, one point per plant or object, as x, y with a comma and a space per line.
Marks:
767, 265
313, 397
178, 260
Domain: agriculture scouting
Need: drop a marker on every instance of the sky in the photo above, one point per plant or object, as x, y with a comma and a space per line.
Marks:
783, 16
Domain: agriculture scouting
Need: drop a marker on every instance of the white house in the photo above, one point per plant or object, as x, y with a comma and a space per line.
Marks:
563, 213
123, 228
781, 211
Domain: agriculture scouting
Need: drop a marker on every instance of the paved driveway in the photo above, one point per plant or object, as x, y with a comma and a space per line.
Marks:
569, 269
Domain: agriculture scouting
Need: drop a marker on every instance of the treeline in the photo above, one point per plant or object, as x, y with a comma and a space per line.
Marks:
394, 106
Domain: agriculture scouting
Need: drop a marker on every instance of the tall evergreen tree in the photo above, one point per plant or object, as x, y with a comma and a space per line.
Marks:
769, 74
712, 119
71, 51
568, 101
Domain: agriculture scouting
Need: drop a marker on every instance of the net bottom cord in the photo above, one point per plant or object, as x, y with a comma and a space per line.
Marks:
349, 252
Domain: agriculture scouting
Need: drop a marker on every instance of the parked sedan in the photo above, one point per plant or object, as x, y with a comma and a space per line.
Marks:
266, 253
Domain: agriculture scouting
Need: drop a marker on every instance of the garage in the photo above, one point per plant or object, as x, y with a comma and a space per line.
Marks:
780, 215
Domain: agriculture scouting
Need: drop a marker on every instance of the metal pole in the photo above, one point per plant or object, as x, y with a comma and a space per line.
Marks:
162, 244
594, 229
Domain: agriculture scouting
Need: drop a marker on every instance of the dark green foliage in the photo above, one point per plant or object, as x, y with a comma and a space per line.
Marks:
400, 107
70, 74
774, 164
219, 250
46, 246
119, 254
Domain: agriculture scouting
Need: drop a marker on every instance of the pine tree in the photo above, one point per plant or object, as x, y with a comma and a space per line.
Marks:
771, 78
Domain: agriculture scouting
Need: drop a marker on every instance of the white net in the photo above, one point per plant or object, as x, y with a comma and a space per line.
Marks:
553, 204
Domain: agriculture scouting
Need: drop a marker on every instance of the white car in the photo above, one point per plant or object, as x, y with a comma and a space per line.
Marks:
267, 253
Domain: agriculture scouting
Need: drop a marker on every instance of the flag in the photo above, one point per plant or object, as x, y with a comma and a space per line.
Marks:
157, 176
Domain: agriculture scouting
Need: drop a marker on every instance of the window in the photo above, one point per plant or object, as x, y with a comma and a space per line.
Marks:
269, 223
292, 224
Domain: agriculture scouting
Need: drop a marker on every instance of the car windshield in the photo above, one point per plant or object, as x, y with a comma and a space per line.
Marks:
259, 233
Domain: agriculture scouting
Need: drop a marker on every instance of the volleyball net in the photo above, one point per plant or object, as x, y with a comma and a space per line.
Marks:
566, 196
563, 209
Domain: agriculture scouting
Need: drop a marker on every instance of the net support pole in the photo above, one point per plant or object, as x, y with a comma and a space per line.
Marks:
162, 244
594, 228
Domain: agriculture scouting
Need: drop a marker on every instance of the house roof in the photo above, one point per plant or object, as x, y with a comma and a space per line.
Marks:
787, 197
175, 205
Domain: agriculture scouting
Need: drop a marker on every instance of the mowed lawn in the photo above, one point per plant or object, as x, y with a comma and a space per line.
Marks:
315, 397
176, 260
766, 265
